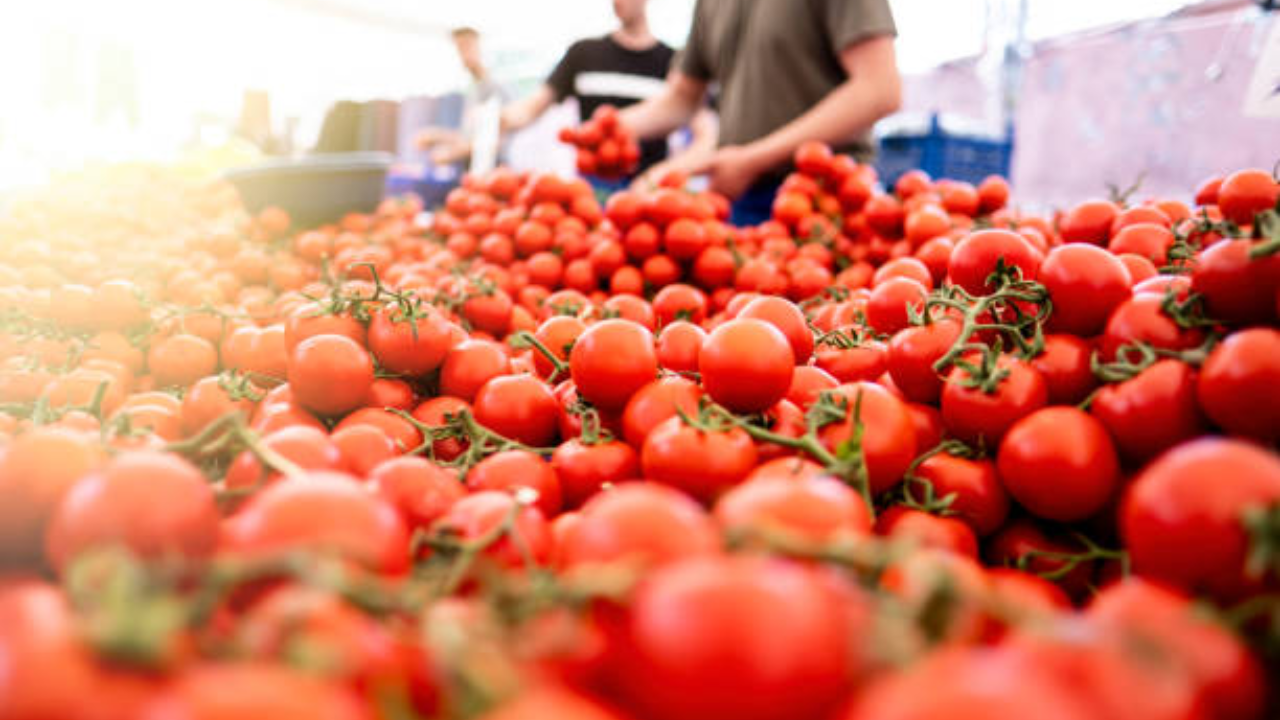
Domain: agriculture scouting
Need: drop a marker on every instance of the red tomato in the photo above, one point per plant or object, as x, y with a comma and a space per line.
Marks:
704, 644
330, 374
478, 514
519, 407
1183, 525
154, 504
36, 470
1231, 283
1151, 412
1085, 285
912, 354
611, 361
1245, 193
642, 524
746, 365
973, 415
889, 439
511, 470
978, 497
788, 319
976, 256
925, 530
408, 347
321, 512
815, 509
585, 468
655, 403
1239, 385
700, 463
421, 490
890, 304
1059, 464
248, 690
1142, 319
471, 364
1065, 364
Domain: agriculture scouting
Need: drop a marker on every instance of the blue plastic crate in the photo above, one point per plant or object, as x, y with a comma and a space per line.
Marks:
943, 154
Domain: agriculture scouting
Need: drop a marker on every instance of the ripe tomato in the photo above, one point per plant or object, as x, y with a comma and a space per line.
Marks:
180, 360
1183, 525
469, 365
1085, 285
703, 644
788, 319
912, 354
330, 374
1065, 364
1059, 464
56, 676
1142, 319
701, 463
979, 498
888, 308
585, 468
421, 490
1231, 282
746, 365
977, 255
552, 701
815, 509
36, 471
1245, 193
323, 512
888, 441
411, 347
864, 361
643, 524
1239, 385
974, 416
611, 361
511, 470
307, 447
519, 407
558, 334
434, 414
154, 504
656, 402
1151, 412
478, 514
678, 346
248, 690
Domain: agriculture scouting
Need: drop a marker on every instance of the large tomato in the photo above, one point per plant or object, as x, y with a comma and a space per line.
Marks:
974, 415
1239, 385
1183, 522
702, 463
1059, 464
746, 365
643, 524
611, 361
889, 438
1152, 411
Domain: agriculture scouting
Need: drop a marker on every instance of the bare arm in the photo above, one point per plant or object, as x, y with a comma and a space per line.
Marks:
667, 111
693, 159
522, 113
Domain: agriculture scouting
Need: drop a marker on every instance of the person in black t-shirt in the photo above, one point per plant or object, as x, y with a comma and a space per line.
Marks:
619, 69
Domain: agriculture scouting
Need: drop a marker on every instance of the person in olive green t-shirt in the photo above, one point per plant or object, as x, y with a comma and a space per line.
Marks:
789, 71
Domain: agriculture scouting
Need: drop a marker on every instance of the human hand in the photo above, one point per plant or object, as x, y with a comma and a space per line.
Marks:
733, 169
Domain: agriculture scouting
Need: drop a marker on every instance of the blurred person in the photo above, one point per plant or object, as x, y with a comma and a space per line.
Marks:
619, 69
447, 145
789, 71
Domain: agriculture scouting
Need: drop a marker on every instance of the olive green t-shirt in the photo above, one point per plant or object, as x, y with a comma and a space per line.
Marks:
775, 59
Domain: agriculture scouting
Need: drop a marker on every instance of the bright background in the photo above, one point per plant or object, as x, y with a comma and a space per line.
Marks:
92, 80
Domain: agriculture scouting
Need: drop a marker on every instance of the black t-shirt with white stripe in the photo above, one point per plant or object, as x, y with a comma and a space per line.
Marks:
599, 71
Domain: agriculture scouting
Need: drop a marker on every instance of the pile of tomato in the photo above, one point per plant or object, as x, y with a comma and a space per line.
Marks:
899, 453
604, 146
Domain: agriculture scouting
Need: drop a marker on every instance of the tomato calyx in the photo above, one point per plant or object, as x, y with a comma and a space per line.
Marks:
1187, 313
1001, 312
1262, 523
593, 431
929, 501
229, 435
238, 386
1267, 226
481, 441
1135, 357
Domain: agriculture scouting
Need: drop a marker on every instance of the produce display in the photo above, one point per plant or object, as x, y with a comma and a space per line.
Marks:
899, 453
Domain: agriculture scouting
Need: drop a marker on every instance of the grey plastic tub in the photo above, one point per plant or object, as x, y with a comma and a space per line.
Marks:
316, 189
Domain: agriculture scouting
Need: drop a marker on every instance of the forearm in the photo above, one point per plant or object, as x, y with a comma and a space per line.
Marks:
522, 113
667, 111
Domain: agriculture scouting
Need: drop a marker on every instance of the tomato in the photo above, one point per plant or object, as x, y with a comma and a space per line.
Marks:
611, 360
922, 529
703, 642
363, 446
814, 509
1149, 240
324, 512
656, 402
552, 702
1239, 385
403, 434
585, 468
311, 320
1183, 525
469, 365
307, 447
433, 413
557, 334
421, 490
1059, 464
478, 514
679, 345
978, 254
182, 359
511, 470
807, 383
519, 407
1226, 673
746, 365
857, 362
1085, 284
1020, 542
154, 504
974, 415
1245, 193
888, 442
978, 497
1231, 283
680, 302
36, 471
1142, 319
50, 673
408, 346
330, 374
641, 524
1153, 411
701, 463
892, 301
1065, 364
913, 353
788, 319
249, 690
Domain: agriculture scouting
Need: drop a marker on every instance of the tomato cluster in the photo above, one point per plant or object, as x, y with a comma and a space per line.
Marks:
605, 147
898, 452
